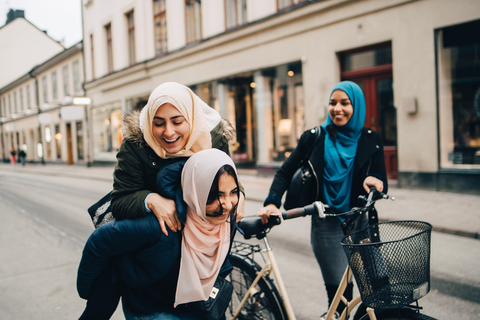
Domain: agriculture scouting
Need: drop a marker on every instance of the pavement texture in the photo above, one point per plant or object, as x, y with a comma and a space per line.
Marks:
448, 212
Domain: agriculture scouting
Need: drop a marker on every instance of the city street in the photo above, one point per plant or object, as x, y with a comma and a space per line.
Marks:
44, 224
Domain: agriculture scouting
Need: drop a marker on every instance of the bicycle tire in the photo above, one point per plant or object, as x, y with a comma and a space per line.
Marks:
266, 303
398, 314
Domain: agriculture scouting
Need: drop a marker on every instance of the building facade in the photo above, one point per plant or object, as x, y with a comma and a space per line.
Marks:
268, 67
38, 114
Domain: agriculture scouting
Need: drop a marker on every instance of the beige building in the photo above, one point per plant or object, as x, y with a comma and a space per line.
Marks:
268, 66
38, 114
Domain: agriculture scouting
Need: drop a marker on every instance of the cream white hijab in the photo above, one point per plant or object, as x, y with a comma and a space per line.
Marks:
204, 245
190, 106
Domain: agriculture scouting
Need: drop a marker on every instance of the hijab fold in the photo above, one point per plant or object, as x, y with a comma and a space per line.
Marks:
341, 148
190, 106
204, 245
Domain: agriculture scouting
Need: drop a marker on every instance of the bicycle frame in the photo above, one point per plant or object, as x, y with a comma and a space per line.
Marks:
271, 266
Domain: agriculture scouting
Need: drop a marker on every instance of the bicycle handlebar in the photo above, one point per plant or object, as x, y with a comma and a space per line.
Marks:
330, 211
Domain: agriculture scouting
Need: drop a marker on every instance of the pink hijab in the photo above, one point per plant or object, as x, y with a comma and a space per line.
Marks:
204, 245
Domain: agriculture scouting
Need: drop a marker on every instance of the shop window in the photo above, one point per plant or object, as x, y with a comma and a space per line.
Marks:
48, 144
80, 150
236, 13
288, 111
160, 25
131, 37
458, 67
107, 131
193, 14
58, 142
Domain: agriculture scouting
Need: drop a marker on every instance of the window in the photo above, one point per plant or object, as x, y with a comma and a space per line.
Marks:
236, 12
282, 4
45, 88
65, 80
108, 32
15, 101
160, 22
193, 14
131, 37
27, 92
20, 93
54, 85
35, 92
458, 67
76, 76
9, 105
2, 108
92, 55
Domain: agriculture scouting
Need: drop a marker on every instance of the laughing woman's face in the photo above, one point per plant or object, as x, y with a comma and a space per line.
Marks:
219, 210
170, 128
340, 108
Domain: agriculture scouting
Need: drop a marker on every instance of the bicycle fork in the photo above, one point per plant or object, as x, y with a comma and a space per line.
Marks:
270, 265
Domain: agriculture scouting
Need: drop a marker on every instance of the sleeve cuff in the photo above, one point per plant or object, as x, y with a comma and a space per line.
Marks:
146, 208
273, 199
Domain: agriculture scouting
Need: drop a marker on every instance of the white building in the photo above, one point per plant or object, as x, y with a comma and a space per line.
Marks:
17, 55
268, 66
37, 111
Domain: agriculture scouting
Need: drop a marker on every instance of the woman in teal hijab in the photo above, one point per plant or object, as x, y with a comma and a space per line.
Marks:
347, 159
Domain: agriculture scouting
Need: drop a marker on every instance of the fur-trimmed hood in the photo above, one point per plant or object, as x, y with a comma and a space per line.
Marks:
131, 128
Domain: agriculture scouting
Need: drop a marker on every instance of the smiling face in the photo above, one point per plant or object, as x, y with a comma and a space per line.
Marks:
222, 203
340, 108
170, 128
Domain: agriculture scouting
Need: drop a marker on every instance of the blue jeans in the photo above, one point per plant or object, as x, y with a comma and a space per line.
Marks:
326, 235
178, 314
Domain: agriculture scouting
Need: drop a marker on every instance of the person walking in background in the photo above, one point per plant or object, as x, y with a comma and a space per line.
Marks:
21, 156
348, 159
13, 154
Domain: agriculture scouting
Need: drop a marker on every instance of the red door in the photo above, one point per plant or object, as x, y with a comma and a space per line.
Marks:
377, 86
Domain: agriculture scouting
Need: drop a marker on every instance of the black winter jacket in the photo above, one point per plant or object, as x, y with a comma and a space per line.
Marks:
137, 166
369, 161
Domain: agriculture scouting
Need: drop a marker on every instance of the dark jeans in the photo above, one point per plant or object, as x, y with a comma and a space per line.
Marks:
104, 297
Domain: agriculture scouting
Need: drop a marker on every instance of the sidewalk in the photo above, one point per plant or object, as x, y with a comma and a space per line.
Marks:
452, 213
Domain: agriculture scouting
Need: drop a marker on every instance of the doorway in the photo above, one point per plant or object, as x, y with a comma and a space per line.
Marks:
371, 69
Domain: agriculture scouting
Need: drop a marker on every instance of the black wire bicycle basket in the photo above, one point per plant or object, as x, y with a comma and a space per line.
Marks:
390, 262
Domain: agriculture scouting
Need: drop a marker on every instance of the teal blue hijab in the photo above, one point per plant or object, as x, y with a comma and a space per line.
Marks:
340, 151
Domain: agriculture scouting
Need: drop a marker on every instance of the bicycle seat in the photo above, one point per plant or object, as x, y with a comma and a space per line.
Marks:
253, 226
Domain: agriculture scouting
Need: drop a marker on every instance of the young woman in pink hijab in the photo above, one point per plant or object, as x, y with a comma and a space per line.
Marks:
193, 258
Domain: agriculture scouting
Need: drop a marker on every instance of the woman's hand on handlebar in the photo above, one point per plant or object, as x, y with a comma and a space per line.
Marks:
371, 181
165, 211
265, 212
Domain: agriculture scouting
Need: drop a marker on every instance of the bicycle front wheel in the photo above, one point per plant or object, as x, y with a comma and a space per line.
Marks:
398, 314
265, 303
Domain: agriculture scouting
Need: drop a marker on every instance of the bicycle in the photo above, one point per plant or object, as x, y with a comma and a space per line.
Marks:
387, 288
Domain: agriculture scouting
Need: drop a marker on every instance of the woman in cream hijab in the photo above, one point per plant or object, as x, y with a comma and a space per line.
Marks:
174, 123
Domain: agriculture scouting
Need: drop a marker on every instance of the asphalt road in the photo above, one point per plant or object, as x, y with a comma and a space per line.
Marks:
44, 224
